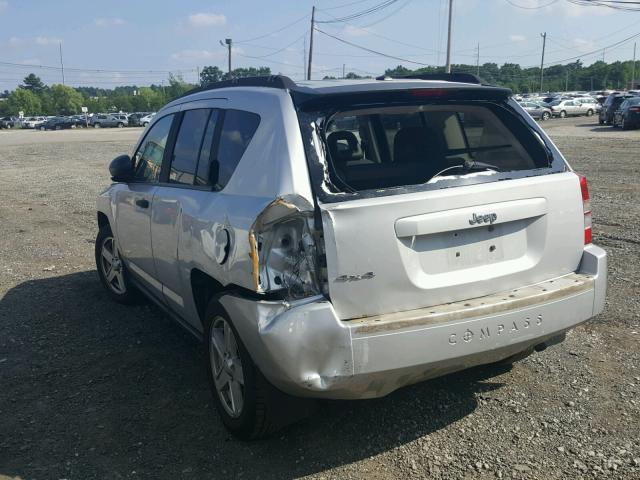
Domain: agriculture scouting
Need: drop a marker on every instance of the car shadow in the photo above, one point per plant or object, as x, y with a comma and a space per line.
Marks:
93, 389
596, 127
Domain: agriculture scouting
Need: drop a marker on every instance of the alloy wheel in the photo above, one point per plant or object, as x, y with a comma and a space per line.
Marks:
226, 366
112, 267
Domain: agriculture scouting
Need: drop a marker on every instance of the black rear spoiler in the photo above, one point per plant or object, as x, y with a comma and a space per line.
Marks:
395, 96
443, 77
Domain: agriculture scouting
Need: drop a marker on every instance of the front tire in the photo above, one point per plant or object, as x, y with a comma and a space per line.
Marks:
111, 269
248, 405
589, 112
563, 114
96, 125
120, 125
545, 116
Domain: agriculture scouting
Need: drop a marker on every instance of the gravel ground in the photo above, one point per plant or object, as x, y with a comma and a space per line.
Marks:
92, 390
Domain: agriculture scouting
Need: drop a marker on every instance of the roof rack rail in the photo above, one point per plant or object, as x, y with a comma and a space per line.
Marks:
272, 81
446, 77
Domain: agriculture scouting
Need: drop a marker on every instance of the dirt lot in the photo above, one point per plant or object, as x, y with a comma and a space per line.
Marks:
93, 390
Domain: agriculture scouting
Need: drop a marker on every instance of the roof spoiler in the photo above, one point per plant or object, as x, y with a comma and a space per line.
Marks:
443, 77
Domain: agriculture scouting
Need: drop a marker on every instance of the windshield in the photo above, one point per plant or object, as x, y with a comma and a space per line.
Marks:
383, 147
555, 102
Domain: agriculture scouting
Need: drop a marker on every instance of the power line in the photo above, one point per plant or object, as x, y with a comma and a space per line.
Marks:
538, 7
295, 22
369, 49
363, 13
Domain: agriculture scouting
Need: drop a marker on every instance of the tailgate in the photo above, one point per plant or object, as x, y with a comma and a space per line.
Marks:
403, 252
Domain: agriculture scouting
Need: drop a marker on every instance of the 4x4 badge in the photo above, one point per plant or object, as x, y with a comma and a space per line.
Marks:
488, 218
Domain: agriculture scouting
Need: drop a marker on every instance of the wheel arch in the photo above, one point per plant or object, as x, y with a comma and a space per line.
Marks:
203, 288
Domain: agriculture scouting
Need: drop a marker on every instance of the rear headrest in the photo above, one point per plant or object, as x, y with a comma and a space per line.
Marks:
344, 147
417, 144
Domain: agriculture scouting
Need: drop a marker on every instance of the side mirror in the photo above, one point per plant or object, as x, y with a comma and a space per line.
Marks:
121, 168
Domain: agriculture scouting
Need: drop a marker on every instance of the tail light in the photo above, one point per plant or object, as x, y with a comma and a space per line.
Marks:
634, 109
586, 209
286, 250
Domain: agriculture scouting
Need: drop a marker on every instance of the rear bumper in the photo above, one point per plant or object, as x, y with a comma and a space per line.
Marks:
305, 350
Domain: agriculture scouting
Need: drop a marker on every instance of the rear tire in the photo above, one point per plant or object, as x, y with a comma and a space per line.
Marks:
120, 125
589, 112
145, 124
96, 125
113, 274
563, 114
545, 116
248, 405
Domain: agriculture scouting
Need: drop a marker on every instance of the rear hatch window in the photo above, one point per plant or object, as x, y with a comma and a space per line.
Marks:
379, 150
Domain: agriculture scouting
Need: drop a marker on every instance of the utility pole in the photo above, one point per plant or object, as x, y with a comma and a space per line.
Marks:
544, 44
229, 42
566, 81
603, 51
448, 66
343, 70
61, 63
313, 27
198, 73
633, 69
592, 84
304, 56
478, 61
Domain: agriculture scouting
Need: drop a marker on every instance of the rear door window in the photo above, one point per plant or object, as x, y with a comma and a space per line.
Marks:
186, 153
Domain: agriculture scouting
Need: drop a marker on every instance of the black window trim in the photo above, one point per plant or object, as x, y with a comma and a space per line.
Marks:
167, 160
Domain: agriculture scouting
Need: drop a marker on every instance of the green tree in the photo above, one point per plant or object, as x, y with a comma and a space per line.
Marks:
22, 100
33, 83
210, 75
66, 100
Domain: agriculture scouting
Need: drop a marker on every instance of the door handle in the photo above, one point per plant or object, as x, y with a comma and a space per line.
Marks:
142, 203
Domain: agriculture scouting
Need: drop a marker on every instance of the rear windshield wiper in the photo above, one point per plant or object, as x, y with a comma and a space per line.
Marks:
470, 166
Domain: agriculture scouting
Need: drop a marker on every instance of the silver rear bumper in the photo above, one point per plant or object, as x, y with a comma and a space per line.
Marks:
305, 350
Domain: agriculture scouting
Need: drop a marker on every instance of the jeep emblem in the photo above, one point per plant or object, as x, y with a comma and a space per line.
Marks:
478, 219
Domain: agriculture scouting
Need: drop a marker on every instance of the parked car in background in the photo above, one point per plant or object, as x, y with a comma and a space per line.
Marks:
123, 117
33, 122
344, 239
9, 122
587, 105
611, 104
537, 110
134, 118
565, 108
57, 123
628, 114
102, 120
144, 121
79, 121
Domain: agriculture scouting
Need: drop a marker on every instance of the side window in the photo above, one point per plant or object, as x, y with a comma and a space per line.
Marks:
204, 175
184, 161
148, 158
237, 132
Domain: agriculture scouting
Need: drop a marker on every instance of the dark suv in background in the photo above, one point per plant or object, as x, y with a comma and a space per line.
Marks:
627, 115
611, 104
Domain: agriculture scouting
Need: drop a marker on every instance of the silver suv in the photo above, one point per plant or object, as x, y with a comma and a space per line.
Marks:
101, 120
343, 239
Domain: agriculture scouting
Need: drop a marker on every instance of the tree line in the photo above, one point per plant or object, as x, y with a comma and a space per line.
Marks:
33, 97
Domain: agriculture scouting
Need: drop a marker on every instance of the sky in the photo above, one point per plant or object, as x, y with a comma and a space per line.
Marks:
125, 42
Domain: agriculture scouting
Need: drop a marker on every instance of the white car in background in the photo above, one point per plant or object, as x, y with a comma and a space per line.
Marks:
144, 121
33, 122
